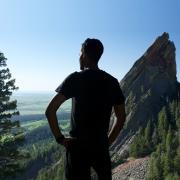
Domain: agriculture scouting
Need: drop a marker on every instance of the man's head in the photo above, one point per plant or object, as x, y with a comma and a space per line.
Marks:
91, 52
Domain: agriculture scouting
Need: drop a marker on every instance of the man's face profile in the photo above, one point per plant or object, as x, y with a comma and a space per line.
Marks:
81, 60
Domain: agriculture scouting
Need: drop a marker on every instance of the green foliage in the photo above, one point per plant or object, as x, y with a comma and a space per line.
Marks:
155, 138
161, 140
176, 176
142, 143
158, 168
52, 172
40, 151
168, 164
169, 177
148, 131
162, 125
167, 145
169, 139
7, 86
177, 161
55, 171
7, 107
10, 132
155, 171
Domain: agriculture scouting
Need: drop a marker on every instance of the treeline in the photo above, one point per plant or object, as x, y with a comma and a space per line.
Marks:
161, 141
35, 117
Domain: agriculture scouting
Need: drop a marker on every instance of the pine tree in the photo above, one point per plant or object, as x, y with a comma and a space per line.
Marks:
167, 164
163, 125
158, 172
7, 107
10, 132
155, 138
150, 175
169, 139
134, 147
177, 162
163, 120
148, 137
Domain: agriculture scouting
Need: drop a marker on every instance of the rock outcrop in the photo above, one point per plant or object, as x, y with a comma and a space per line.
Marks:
149, 84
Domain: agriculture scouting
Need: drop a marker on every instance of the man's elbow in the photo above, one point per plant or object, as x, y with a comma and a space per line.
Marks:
49, 112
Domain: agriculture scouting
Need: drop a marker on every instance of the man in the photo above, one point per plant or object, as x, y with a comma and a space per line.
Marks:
94, 93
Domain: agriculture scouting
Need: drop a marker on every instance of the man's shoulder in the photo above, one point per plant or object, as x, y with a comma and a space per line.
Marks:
72, 75
96, 72
108, 76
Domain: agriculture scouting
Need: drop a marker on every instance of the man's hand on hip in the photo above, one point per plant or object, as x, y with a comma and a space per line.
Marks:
68, 141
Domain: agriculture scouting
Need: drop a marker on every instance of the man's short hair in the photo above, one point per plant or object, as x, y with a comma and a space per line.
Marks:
93, 48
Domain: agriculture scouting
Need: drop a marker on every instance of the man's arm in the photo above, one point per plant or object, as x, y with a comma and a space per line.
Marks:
118, 124
51, 114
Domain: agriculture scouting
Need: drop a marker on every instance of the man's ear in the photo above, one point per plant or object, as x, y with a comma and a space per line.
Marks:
84, 56
82, 63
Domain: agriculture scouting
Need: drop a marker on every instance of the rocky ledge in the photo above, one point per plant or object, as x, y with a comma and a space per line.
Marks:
134, 169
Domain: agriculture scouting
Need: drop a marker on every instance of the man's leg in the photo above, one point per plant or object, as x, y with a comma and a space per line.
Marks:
102, 165
76, 164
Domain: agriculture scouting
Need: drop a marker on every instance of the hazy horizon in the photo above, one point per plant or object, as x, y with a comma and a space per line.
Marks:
35, 103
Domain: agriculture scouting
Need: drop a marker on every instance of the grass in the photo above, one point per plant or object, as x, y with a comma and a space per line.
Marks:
29, 126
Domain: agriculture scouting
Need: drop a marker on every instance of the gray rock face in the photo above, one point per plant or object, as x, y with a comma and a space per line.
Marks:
158, 59
149, 84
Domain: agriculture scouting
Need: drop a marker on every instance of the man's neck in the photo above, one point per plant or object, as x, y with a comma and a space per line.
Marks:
93, 67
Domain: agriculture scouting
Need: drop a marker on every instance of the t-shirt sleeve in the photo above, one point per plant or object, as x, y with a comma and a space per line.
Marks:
117, 94
68, 86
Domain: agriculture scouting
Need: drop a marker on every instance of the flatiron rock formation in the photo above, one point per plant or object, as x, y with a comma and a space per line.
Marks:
149, 84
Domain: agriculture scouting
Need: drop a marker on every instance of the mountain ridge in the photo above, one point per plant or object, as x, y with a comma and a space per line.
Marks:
148, 86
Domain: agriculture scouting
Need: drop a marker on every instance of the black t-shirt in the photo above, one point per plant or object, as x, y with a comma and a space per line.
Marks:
93, 94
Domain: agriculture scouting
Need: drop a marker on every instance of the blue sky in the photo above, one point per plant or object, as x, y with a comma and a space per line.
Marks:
42, 38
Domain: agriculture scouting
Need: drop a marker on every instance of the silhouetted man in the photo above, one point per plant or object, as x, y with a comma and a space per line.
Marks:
94, 93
